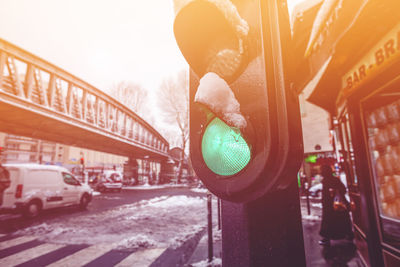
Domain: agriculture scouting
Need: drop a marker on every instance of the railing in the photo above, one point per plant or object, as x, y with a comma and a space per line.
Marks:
37, 81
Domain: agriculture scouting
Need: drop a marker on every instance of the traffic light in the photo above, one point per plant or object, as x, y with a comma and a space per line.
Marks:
82, 160
245, 131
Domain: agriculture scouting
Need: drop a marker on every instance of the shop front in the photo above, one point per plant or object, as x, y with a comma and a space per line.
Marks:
354, 49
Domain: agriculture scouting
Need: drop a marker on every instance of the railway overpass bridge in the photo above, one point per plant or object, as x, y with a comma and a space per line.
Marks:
41, 100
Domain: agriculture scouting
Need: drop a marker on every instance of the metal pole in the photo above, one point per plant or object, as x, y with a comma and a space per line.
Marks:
219, 213
39, 151
308, 199
264, 232
210, 237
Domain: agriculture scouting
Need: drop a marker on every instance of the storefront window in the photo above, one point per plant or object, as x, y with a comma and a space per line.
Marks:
383, 130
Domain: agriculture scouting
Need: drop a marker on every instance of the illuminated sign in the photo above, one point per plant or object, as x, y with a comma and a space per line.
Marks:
384, 52
311, 159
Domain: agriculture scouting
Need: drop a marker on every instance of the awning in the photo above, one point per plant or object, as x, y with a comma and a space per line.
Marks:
342, 33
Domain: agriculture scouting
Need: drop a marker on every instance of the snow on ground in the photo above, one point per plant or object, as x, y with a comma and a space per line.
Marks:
316, 205
217, 261
311, 217
205, 263
199, 190
151, 187
156, 223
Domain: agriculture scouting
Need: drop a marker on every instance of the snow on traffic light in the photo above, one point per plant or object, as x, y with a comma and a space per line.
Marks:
223, 147
240, 137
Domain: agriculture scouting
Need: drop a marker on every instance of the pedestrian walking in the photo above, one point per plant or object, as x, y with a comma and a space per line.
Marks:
336, 223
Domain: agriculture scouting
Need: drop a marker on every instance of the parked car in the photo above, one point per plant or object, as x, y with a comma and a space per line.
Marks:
316, 190
129, 181
109, 181
37, 187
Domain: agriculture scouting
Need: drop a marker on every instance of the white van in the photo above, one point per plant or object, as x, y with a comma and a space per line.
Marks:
37, 187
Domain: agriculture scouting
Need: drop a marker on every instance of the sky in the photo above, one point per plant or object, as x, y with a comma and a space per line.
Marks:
102, 42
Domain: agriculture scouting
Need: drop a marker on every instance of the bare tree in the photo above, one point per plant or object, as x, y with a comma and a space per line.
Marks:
132, 95
173, 99
135, 97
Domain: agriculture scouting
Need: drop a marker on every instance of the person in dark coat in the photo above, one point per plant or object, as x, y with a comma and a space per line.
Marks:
336, 224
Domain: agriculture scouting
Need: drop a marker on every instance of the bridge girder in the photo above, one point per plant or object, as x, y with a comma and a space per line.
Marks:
45, 102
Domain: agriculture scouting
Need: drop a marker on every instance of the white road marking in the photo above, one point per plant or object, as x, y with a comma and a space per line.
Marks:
141, 258
16, 241
83, 256
29, 254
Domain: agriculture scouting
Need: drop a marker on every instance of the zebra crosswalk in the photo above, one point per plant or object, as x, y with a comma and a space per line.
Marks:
26, 251
28, 254
83, 256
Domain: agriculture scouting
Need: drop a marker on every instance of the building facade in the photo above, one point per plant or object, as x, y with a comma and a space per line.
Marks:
318, 138
24, 149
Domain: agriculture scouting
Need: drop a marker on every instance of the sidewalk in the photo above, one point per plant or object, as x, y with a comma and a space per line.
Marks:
340, 253
199, 257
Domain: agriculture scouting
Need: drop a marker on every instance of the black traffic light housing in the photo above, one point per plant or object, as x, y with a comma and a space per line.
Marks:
243, 42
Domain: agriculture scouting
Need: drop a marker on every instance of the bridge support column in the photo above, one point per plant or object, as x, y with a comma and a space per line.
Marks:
154, 172
131, 171
167, 172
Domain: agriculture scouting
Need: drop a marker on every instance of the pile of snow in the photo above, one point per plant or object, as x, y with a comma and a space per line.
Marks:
232, 15
136, 242
151, 187
217, 234
311, 217
199, 190
316, 205
229, 11
111, 197
215, 262
215, 93
176, 202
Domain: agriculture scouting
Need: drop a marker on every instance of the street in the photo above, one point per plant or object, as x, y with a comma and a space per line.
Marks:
131, 228
138, 227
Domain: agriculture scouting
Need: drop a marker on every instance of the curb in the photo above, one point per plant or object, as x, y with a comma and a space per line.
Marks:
173, 257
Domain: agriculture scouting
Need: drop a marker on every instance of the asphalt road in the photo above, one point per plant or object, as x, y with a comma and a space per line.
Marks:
105, 201
26, 250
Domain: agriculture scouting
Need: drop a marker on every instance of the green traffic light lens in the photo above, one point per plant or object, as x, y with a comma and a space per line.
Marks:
224, 150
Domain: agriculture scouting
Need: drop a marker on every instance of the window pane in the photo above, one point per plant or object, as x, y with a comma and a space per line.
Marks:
383, 132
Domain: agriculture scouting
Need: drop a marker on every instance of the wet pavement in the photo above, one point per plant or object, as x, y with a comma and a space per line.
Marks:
339, 253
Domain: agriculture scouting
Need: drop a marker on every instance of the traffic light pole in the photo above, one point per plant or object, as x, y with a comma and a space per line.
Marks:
245, 128
268, 231
264, 232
